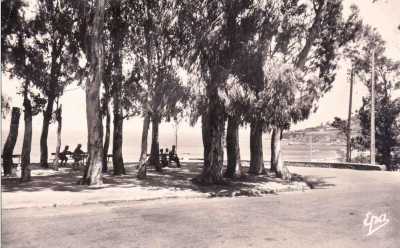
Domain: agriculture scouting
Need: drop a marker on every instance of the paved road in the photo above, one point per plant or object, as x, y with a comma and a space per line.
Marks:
331, 216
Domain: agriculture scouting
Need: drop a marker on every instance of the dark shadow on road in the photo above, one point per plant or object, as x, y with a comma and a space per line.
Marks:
318, 182
171, 178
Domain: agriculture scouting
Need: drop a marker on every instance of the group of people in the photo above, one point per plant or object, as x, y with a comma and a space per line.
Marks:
78, 155
169, 156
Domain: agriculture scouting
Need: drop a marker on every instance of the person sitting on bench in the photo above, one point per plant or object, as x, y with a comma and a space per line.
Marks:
163, 156
173, 157
167, 156
78, 155
63, 155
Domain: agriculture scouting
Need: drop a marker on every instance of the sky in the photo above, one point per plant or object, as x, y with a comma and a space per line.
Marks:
384, 15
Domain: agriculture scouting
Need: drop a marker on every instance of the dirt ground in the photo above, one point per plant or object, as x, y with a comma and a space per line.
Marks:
58, 188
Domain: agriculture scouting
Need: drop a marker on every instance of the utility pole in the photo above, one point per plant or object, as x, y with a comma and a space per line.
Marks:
373, 109
348, 131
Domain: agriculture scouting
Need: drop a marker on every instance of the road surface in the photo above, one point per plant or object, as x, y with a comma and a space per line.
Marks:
331, 216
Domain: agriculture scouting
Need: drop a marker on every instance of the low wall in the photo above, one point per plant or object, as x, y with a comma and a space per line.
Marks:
337, 165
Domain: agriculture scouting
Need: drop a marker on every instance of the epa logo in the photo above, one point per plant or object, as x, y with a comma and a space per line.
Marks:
375, 222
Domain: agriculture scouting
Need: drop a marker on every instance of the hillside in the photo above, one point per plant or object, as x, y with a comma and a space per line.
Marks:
323, 133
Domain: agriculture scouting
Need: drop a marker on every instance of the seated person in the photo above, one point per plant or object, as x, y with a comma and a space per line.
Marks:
63, 155
163, 156
78, 154
173, 157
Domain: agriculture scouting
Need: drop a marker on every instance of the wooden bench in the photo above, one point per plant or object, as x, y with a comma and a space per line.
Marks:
14, 166
15, 156
19, 156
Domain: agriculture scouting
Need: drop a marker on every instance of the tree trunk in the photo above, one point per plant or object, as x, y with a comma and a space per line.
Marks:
117, 78
59, 127
276, 155
27, 143
143, 153
213, 123
92, 175
256, 148
155, 146
106, 140
8, 149
118, 162
386, 157
312, 35
234, 168
44, 153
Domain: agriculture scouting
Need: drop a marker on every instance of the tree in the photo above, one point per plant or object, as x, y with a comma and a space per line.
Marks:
105, 108
95, 52
236, 108
8, 148
25, 62
294, 60
52, 28
387, 112
386, 106
118, 28
58, 119
158, 89
210, 33
142, 169
340, 124
328, 33
251, 67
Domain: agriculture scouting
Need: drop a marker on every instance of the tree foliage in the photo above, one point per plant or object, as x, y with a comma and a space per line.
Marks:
387, 107
12, 19
339, 124
287, 72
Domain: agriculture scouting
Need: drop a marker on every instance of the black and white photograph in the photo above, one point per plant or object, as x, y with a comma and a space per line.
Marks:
200, 123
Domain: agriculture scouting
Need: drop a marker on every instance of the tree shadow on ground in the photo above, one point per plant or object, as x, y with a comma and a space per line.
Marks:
315, 182
175, 179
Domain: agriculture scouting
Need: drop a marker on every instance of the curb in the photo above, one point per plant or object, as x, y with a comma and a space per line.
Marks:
104, 202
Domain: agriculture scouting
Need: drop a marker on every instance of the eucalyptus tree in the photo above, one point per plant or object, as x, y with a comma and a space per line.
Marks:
90, 35
9, 145
236, 108
249, 72
154, 69
25, 62
53, 25
12, 20
116, 25
210, 34
105, 104
293, 57
24, 68
315, 61
164, 89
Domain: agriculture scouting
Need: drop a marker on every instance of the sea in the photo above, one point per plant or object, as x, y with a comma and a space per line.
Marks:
187, 138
